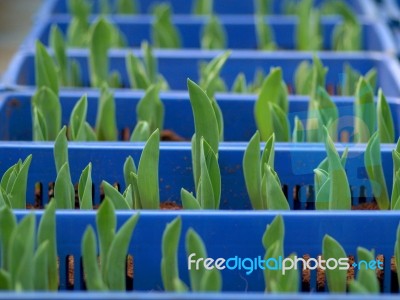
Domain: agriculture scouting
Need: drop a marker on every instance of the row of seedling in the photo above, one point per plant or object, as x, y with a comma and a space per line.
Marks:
346, 35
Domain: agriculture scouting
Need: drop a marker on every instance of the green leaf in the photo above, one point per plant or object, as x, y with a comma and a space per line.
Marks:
327, 113
138, 77
22, 244
151, 109
77, 129
106, 223
211, 281
148, 173
105, 8
150, 62
64, 191
350, 79
385, 119
114, 80
169, 260
61, 149
126, 7
40, 266
346, 35
47, 234
395, 201
213, 35
308, 30
252, 171
303, 78
75, 74
39, 127
100, 42
45, 69
79, 8
129, 167
5, 280
49, 107
274, 232
188, 200
85, 188
141, 132
298, 131
239, 84
371, 78
338, 198
373, 165
263, 7
106, 123
8, 223
78, 33
89, 132
366, 277
202, 7
364, 112
94, 281
211, 72
276, 200
114, 196
205, 123
195, 245
210, 177
17, 192
116, 258
336, 278
163, 32
265, 36
57, 43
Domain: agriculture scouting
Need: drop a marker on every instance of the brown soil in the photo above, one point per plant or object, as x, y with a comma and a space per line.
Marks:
170, 205
129, 272
70, 271
170, 136
366, 206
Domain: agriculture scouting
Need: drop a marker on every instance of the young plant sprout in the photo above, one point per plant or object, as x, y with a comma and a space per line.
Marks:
298, 135
64, 192
150, 109
239, 85
262, 182
79, 128
272, 106
385, 119
57, 43
351, 78
347, 35
143, 74
77, 33
106, 123
336, 278
395, 201
29, 258
328, 176
366, 282
272, 240
85, 188
364, 112
46, 115
209, 185
201, 279
142, 183
213, 35
13, 185
126, 7
202, 7
45, 69
308, 31
265, 36
206, 126
114, 245
164, 33
373, 165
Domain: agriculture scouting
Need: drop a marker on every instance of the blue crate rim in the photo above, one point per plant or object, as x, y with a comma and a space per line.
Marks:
382, 30
9, 79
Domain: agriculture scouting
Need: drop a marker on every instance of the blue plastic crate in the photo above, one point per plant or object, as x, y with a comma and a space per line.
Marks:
240, 30
361, 7
304, 233
294, 164
237, 110
177, 66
